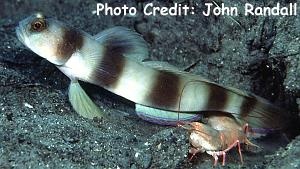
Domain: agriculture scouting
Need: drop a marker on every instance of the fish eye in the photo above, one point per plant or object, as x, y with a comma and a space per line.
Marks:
38, 25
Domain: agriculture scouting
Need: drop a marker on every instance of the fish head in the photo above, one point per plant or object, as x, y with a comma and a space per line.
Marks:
43, 36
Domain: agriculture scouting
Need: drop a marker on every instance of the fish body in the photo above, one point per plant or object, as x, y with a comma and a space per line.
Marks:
114, 60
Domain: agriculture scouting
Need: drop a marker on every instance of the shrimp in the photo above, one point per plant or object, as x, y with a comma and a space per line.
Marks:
217, 137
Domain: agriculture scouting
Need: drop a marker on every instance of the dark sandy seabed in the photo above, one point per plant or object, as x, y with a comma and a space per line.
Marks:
256, 54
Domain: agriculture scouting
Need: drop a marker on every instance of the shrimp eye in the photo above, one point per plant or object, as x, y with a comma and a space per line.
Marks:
38, 25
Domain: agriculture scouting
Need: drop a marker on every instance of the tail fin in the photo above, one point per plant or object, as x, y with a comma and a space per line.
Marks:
81, 102
261, 115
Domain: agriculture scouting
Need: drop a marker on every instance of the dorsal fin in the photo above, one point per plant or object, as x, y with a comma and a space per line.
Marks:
160, 65
120, 38
165, 66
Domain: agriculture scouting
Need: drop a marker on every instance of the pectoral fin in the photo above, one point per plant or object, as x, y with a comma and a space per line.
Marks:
81, 102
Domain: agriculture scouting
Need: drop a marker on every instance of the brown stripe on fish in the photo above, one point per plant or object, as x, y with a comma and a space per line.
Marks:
247, 106
165, 92
217, 98
111, 65
72, 40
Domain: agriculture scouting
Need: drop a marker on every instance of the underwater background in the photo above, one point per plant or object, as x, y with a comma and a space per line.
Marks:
39, 128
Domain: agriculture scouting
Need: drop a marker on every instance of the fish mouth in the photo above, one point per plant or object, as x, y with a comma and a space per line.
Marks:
20, 34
